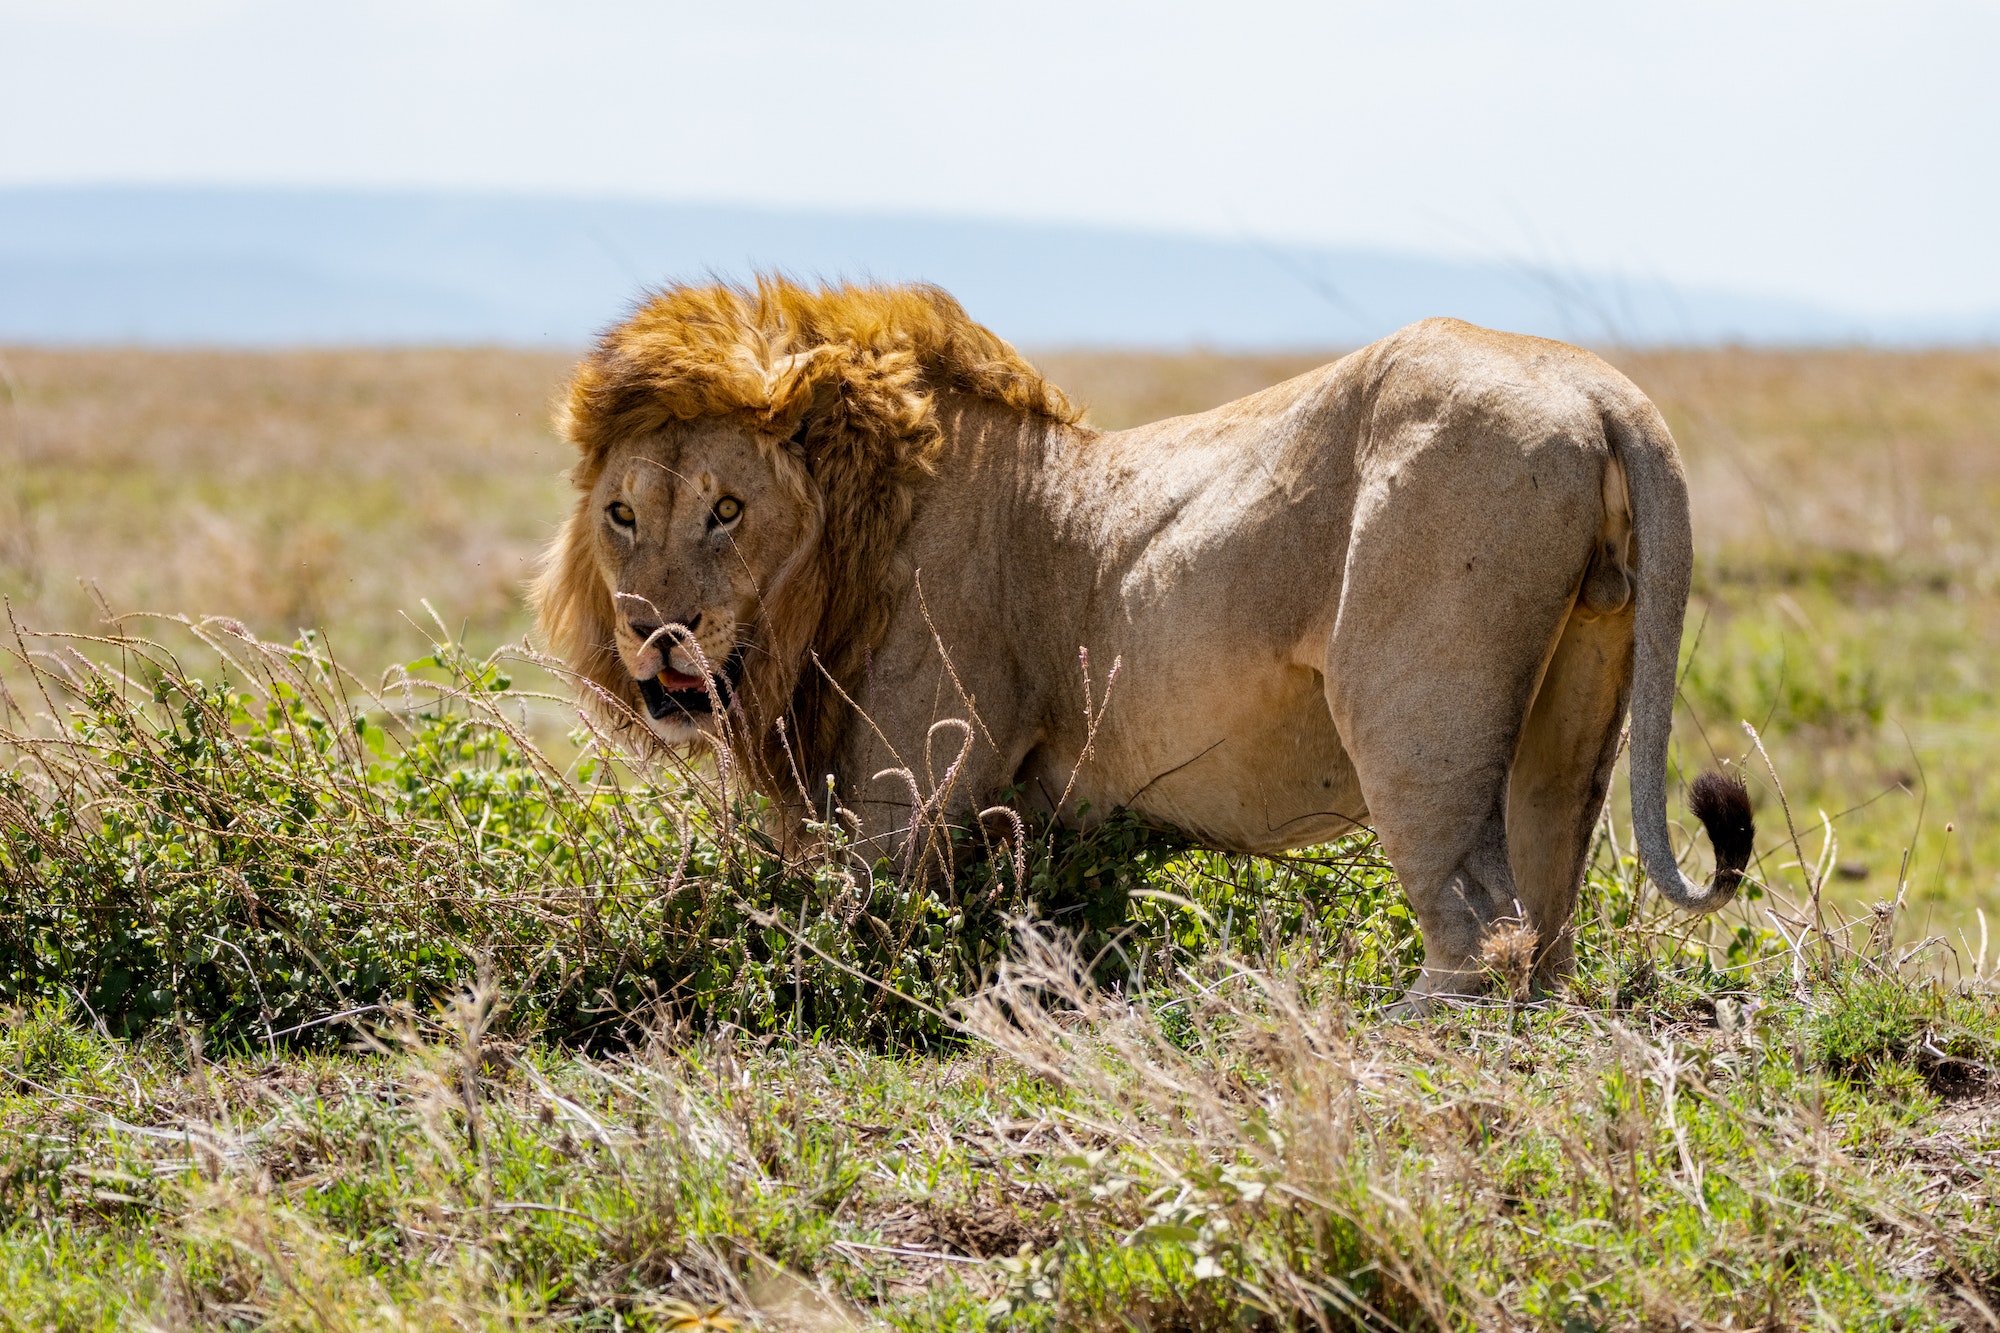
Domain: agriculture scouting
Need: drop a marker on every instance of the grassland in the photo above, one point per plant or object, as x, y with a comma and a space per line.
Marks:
331, 490
1847, 511
349, 1001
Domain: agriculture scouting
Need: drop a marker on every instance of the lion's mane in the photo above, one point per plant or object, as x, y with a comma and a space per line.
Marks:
841, 383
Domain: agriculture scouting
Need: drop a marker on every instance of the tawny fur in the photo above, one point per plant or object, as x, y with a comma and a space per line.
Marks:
1416, 589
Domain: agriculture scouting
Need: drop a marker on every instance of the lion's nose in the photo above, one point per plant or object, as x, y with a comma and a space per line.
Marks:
646, 629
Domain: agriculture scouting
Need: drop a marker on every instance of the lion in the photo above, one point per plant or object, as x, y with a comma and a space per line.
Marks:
1416, 590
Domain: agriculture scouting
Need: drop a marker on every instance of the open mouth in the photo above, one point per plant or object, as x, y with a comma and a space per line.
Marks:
670, 692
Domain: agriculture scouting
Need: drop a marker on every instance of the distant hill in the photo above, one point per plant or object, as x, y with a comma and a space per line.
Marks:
269, 267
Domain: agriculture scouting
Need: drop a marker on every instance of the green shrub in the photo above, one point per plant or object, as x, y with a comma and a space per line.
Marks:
254, 855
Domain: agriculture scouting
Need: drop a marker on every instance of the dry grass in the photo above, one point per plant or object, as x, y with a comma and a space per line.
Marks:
324, 489
1794, 456
1231, 1145
344, 483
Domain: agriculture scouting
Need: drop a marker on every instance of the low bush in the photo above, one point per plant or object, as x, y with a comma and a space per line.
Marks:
255, 853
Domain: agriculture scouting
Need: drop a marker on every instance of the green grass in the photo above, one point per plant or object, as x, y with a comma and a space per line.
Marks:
620, 1064
1233, 1153
1881, 708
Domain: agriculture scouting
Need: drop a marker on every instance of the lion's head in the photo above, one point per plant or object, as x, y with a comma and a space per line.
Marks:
748, 459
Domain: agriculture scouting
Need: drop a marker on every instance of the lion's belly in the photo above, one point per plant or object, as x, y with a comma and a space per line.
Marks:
1255, 766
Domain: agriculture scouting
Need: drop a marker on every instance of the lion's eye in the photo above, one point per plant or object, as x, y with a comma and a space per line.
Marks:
727, 510
621, 513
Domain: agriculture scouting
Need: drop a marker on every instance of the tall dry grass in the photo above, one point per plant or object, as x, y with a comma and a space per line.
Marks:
330, 490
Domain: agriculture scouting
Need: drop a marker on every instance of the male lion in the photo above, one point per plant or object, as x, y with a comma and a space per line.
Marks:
1415, 589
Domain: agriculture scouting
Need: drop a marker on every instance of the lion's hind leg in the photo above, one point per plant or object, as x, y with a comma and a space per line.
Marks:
1561, 774
1446, 623
1431, 715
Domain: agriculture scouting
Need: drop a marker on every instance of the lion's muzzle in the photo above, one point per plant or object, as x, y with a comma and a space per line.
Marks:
673, 694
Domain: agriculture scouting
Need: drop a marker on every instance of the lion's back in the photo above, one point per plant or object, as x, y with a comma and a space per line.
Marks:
1475, 369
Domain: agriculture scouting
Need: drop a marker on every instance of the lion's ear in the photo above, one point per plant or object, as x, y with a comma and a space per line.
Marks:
803, 388
787, 371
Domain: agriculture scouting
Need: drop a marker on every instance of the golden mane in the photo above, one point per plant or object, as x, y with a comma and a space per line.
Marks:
841, 383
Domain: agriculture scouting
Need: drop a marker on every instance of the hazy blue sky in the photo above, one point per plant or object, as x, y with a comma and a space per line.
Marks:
1847, 153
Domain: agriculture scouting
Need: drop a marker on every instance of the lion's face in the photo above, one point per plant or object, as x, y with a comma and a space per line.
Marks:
692, 527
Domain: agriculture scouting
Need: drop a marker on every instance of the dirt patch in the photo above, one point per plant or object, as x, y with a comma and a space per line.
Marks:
992, 1224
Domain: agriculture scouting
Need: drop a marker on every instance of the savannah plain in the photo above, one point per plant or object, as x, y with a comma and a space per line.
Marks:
1846, 508
332, 998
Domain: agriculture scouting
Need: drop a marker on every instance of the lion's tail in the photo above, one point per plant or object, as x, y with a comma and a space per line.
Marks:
1664, 574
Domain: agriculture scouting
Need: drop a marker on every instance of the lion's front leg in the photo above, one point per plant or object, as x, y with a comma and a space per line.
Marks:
924, 755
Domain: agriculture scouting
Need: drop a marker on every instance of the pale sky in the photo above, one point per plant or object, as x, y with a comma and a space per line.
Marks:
1849, 154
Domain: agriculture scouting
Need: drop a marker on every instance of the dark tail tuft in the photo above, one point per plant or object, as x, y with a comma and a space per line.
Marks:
1722, 803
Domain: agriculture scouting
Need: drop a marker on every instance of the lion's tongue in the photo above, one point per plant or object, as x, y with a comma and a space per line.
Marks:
674, 682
